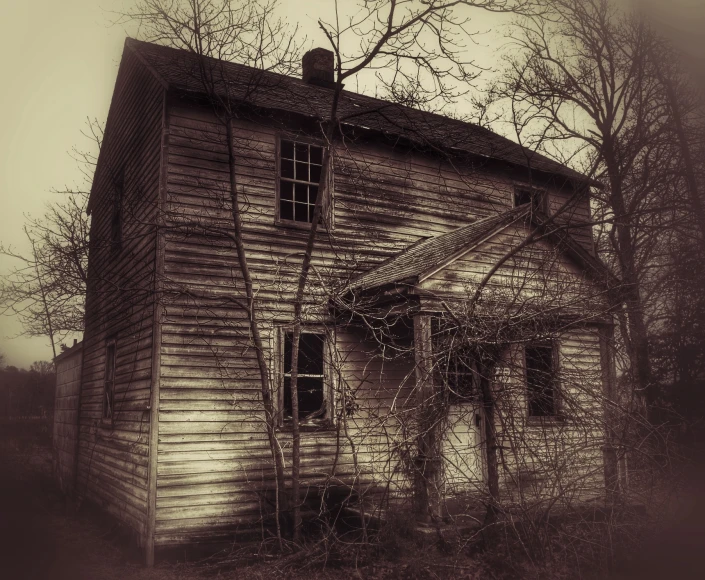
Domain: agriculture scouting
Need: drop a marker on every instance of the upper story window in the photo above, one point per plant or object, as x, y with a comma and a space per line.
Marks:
526, 196
541, 379
299, 176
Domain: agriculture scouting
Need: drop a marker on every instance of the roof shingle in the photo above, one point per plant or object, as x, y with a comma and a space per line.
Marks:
421, 256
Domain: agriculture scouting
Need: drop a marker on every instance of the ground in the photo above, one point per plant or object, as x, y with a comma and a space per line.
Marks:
42, 537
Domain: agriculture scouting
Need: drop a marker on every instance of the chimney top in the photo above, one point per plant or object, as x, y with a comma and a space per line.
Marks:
317, 65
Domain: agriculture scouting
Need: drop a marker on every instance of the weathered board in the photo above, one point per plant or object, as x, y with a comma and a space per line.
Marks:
65, 434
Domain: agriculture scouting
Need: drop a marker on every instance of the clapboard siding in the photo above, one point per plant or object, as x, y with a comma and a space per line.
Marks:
114, 455
66, 402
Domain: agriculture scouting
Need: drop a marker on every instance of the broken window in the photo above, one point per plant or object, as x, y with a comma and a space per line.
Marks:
109, 383
541, 381
311, 377
525, 196
300, 166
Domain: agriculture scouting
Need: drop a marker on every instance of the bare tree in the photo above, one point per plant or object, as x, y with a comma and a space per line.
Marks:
47, 289
583, 84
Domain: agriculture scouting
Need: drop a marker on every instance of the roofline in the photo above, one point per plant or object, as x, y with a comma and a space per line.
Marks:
133, 45
68, 352
459, 254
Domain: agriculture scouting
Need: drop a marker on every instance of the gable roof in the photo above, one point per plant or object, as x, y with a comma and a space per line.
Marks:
178, 69
411, 264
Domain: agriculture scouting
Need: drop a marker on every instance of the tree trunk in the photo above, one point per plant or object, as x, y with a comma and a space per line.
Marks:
270, 409
639, 358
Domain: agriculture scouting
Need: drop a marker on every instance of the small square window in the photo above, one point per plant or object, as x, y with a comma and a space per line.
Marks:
300, 167
313, 402
533, 197
541, 383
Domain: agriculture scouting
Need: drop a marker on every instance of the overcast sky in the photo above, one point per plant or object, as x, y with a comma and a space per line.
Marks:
58, 62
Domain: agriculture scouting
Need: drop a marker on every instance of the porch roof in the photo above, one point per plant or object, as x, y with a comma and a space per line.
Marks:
434, 253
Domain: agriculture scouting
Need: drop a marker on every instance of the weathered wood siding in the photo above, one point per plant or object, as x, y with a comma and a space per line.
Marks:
113, 455
65, 433
561, 456
213, 458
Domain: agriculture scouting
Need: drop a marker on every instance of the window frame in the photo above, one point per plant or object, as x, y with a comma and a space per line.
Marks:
108, 391
318, 423
443, 371
327, 207
556, 413
542, 203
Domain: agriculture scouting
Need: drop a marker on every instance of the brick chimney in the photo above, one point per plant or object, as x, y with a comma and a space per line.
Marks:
317, 65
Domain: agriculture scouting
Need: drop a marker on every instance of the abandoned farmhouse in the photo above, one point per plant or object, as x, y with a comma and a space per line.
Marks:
455, 322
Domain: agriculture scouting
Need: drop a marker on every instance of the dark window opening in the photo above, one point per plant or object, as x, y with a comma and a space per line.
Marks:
310, 382
541, 380
459, 376
299, 177
109, 384
528, 196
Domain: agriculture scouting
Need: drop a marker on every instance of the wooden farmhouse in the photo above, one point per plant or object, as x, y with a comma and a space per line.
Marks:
454, 298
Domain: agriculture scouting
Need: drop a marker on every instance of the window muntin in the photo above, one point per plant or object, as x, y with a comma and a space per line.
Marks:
109, 383
311, 377
459, 375
541, 382
299, 176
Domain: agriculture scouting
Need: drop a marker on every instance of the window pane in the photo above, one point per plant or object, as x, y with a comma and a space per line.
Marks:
311, 354
301, 212
287, 168
539, 380
310, 395
316, 154
315, 173
286, 210
301, 194
287, 398
301, 171
286, 190
287, 149
301, 152
312, 193
310, 391
311, 210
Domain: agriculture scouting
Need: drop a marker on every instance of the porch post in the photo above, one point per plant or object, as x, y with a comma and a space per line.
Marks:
427, 468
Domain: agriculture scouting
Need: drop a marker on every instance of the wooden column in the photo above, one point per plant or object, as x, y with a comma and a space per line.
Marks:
427, 466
